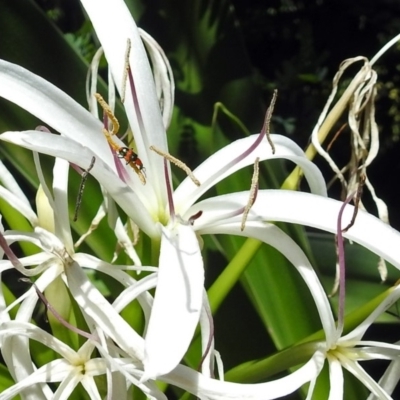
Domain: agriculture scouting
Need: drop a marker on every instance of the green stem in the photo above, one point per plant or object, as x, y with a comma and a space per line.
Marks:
231, 274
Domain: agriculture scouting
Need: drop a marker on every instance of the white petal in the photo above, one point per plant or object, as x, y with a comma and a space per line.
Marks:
115, 272
74, 152
177, 302
390, 378
33, 332
90, 386
125, 241
213, 389
359, 372
15, 349
67, 385
336, 379
54, 371
358, 332
114, 43
213, 169
163, 76
52, 106
275, 237
9, 182
100, 310
60, 192
19, 205
310, 210
134, 291
207, 339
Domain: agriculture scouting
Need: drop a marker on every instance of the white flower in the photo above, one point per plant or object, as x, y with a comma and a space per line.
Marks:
322, 213
173, 219
166, 217
73, 367
58, 264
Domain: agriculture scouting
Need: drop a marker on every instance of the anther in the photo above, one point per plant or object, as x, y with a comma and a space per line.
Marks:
108, 112
84, 177
126, 70
178, 163
357, 198
252, 194
194, 217
267, 121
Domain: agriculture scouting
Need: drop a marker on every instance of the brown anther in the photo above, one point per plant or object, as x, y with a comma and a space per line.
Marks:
194, 217
357, 198
252, 194
267, 121
126, 70
178, 163
84, 177
109, 113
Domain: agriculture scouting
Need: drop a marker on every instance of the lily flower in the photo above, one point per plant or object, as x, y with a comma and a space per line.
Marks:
163, 214
56, 261
73, 367
322, 213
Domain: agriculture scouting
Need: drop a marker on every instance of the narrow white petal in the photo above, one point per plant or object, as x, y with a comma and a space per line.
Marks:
212, 170
275, 237
213, 389
115, 271
125, 242
207, 338
67, 385
58, 146
19, 204
134, 291
90, 386
15, 348
114, 43
9, 182
359, 372
336, 379
101, 311
51, 105
55, 371
356, 334
389, 379
60, 192
33, 332
163, 76
177, 302
309, 210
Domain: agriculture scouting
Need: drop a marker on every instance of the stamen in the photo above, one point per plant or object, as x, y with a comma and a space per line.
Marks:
194, 217
109, 113
84, 176
169, 191
178, 163
264, 131
357, 198
267, 121
253, 193
126, 70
